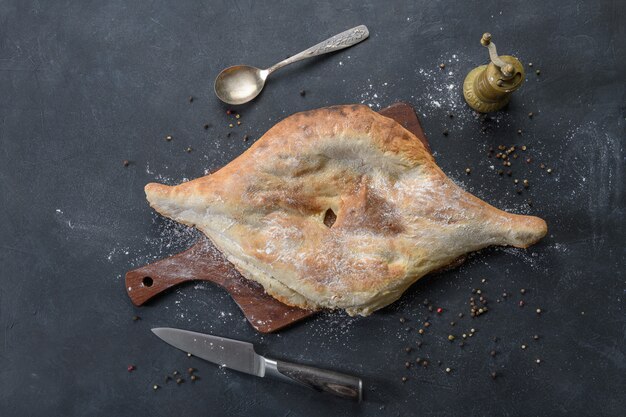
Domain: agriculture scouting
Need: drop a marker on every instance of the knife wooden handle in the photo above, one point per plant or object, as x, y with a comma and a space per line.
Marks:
341, 385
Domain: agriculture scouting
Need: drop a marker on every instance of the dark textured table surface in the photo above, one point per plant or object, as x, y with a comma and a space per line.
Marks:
85, 85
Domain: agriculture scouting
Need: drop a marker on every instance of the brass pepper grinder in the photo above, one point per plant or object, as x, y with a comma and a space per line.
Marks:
489, 87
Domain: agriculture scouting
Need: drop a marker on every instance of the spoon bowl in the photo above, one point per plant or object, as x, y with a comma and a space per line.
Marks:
240, 83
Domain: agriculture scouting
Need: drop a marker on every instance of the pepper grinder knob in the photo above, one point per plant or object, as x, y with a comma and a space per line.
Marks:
488, 88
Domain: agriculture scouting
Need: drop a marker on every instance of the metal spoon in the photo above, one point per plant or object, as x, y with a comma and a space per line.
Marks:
241, 83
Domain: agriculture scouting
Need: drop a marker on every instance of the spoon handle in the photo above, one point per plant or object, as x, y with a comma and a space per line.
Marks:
342, 40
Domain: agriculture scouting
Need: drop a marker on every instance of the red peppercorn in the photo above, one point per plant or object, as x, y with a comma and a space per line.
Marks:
131, 368
521, 303
439, 310
229, 112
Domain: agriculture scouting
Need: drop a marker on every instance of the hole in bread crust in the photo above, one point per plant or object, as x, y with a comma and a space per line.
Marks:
329, 218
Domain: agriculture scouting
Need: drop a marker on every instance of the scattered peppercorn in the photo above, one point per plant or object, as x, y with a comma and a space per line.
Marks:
526, 184
131, 368
168, 379
136, 318
206, 126
179, 381
230, 125
404, 379
439, 310
452, 323
445, 132
229, 112
538, 311
538, 72
521, 303
522, 291
191, 99
191, 370
460, 315
467, 171
302, 93
425, 363
402, 320
238, 123
442, 65
536, 337
492, 353
194, 378
155, 387
451, 337
530, 64
549, 170
125, 162
494, 375
530, 115
523, 346
237, 116
188, 149
168, 138
426, 324
448, 370
175, 373
538, 360
519, 131
450, 115
509, 173
408, 349
407, 364
421, 331
245, 138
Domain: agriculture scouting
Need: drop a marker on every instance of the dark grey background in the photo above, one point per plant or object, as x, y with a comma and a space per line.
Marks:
87, 84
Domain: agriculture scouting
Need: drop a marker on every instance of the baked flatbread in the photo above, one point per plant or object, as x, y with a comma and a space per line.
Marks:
339, 207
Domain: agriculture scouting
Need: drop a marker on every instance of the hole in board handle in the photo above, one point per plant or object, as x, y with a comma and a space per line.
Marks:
147, 282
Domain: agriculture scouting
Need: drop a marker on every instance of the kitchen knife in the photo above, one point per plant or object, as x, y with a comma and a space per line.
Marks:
241, 357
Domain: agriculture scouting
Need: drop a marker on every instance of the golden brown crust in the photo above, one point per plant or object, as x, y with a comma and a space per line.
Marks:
398, 217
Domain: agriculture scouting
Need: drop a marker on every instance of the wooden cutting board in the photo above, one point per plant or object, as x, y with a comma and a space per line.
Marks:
203, 262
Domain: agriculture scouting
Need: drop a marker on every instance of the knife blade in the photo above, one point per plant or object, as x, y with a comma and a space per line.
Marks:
240, 356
